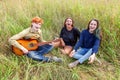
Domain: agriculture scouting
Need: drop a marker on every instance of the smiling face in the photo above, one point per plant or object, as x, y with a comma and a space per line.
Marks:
93, 25
36, 26
69, 24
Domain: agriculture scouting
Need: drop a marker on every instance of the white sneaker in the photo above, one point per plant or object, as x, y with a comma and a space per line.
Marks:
73, 64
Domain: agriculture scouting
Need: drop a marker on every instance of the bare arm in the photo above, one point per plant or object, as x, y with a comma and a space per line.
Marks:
13, 40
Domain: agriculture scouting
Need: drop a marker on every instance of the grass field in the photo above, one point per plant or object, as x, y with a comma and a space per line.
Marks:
15, 15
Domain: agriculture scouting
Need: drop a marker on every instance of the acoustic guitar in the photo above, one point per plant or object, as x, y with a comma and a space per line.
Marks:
30, 44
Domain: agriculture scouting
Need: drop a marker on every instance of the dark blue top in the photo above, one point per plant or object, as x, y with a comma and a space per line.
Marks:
88, 40
70, 37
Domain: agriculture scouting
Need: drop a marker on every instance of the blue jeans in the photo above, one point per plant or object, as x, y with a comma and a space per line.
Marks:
39, 53
82, 54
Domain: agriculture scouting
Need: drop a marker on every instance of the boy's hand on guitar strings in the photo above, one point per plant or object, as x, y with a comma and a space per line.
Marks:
25, 51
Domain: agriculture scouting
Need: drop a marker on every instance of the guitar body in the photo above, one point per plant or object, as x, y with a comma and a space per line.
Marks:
28, 44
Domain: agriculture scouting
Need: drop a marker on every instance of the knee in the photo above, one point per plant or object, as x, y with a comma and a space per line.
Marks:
67, 52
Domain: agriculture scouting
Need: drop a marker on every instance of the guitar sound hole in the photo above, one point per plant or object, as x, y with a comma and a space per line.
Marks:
31, 45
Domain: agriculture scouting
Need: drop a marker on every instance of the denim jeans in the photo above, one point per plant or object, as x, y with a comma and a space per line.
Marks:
82, 54
39, 53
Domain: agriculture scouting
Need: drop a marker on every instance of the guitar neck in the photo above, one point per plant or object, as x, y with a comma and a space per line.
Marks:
43, 43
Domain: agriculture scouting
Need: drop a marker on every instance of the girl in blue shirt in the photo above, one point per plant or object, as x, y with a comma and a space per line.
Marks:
88, 44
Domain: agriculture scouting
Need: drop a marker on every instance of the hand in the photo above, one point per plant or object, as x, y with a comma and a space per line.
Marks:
91, 58
72, 53
25, 51
51, 43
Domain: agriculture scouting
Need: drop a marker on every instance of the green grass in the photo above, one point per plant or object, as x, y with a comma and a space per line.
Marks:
15, 15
